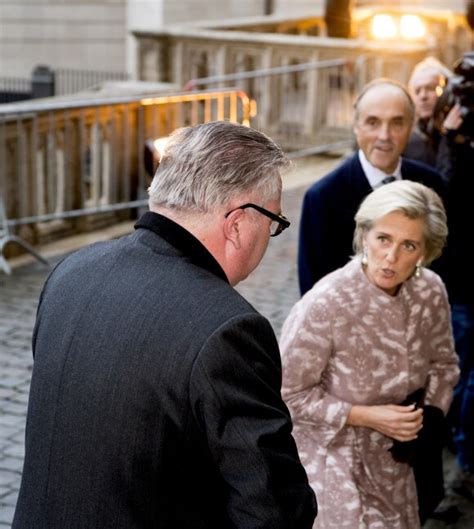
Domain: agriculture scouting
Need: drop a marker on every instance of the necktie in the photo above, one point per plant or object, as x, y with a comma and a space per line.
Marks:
388, 179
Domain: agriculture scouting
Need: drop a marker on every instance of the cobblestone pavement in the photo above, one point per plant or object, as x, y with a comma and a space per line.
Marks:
272, 289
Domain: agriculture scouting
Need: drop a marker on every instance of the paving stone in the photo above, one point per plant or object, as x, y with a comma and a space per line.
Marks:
9, 500
13, 464
14, 408
11, 420
7, 478
6, 514
15, 450
7, 431
6, 393
20, 398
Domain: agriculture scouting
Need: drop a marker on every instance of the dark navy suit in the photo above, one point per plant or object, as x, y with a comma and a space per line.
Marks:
327, 219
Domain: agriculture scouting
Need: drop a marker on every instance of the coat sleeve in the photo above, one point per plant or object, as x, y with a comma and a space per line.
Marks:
307, 346
236, 397
313, 246
444, 363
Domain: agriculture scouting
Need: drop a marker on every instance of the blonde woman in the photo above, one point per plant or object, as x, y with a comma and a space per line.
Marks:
362, 340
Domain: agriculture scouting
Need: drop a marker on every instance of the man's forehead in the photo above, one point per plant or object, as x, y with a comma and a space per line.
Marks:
383, 99
428, 76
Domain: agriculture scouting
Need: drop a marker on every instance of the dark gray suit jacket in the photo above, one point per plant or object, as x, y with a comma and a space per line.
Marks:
155, 397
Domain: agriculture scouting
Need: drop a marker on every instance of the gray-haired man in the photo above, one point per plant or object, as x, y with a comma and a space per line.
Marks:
155, 397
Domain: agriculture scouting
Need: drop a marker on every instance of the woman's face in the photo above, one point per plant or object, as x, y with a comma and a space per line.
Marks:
394, 245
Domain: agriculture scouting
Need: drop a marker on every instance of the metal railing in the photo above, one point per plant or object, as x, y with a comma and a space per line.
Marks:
66, 166
46, 82
14, 89
305, 107
69, 81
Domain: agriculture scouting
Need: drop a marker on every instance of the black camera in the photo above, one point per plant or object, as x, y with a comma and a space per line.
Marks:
460, 89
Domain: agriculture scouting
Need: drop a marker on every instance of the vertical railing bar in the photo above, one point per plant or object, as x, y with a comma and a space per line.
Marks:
207, 109
113, 155
3, 164
34, 165
22, 160
168, 110
96, 159
220, 107
105, 167
59, 158
140, 147
51, 164
194, 112
154, 119
67, 161
82, 139
233, 107
126, 150
176, 111
180, 115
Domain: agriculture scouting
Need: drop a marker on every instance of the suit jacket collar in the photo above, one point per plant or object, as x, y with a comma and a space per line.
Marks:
182, 240
359, 184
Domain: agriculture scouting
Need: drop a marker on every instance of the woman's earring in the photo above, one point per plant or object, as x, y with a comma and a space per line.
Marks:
364, 257
418, 269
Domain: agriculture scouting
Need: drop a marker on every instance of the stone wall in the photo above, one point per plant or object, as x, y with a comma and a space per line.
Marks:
80, 34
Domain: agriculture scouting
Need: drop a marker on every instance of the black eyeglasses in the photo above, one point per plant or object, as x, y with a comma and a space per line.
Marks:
275, 229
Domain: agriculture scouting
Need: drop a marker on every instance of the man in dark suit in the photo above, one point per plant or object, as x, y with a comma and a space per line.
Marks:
384, 114
155, 396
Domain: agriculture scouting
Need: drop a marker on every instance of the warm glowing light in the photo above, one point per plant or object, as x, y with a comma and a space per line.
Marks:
383, 27
159, 145
412, 27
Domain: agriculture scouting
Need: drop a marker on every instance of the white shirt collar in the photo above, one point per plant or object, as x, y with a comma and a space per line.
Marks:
374, 175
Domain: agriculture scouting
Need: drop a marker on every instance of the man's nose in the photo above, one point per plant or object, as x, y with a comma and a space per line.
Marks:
384, 131
423, 93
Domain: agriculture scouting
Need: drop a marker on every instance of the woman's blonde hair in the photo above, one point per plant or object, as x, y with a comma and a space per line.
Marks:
413, 200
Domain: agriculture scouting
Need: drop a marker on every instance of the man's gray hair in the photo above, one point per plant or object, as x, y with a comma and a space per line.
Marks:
413, 200
205, 166
431, 64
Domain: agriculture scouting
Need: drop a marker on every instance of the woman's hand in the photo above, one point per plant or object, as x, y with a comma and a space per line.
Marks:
398, 422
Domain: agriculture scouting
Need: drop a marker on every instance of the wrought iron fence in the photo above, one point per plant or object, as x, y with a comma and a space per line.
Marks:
14, 89
69, 81
46, 82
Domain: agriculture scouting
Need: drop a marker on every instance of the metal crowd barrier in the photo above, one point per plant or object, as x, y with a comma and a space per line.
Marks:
63, 162
306, 107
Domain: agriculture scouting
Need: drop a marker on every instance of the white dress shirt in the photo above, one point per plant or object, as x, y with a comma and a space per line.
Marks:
374, 175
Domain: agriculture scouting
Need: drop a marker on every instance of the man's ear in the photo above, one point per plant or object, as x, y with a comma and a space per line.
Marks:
233, 225
355, 124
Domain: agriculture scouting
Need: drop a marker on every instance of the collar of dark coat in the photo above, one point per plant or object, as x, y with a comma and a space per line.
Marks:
182, 240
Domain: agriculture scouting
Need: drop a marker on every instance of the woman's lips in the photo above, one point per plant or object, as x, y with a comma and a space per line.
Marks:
386, 272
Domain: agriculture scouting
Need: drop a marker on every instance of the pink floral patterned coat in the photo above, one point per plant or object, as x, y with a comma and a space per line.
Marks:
348, 342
